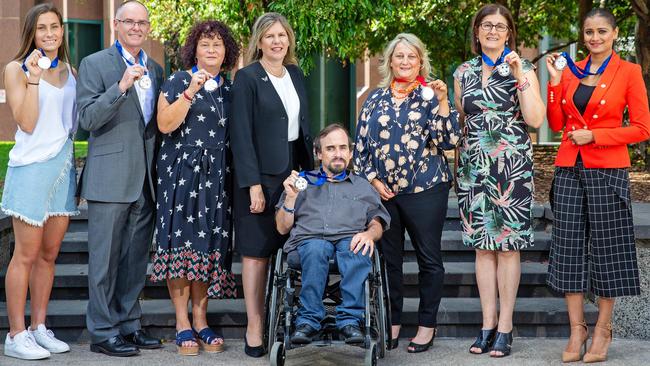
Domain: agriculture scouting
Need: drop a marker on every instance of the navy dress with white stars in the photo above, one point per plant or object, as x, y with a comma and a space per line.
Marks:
193, 221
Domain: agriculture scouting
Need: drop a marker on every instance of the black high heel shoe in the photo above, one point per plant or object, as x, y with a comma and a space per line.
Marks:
257, 351
503, 344
484, 341
417, 348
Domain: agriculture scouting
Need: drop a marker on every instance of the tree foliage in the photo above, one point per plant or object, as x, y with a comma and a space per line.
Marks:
344, 29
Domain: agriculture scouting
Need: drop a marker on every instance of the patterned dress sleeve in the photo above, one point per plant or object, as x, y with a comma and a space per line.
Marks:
363, 159
171, 88
444, 131
460, 70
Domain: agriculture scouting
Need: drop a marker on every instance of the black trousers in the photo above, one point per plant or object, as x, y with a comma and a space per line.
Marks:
423, 216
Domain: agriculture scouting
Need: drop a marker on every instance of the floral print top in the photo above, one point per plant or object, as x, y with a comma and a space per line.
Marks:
403, 145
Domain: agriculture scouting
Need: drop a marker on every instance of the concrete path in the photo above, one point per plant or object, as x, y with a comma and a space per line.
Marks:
526, 351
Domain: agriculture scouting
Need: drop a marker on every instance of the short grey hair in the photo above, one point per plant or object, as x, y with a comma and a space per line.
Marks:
410, 40
120, 9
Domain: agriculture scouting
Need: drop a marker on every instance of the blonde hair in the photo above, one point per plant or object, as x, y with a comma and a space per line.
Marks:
261, 26
384, 62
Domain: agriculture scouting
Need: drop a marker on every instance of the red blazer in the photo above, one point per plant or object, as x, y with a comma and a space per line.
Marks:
620, 85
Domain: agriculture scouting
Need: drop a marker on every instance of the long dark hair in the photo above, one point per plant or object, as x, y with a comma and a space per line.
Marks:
491, 9
27, 44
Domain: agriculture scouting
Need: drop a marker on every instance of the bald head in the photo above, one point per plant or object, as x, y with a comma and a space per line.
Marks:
132, 25
130, 4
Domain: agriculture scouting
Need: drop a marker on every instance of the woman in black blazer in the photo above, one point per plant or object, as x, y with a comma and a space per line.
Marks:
269, 137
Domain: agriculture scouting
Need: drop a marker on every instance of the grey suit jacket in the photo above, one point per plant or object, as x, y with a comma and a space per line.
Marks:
121, 150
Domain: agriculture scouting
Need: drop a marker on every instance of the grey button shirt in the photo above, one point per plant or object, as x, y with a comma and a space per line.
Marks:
334, 211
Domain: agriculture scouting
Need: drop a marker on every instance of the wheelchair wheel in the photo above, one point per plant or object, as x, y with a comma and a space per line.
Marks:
371, 355
382, 308
274, 299
277, 354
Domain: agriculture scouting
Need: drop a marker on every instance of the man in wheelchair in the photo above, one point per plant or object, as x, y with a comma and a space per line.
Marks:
339, 215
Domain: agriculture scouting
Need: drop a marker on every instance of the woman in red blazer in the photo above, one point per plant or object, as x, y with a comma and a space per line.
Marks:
593, 237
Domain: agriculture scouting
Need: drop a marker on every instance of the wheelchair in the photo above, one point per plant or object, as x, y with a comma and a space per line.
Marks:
282, 303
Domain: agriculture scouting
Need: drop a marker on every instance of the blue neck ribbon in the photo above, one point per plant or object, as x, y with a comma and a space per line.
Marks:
488, 61
321, 177
128, 62
55, 62
216, 78
583, 73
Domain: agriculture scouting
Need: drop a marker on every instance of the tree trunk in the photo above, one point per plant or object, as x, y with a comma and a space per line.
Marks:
642, 39
584, 6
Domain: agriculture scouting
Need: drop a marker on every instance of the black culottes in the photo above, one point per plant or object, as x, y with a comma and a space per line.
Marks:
592, 245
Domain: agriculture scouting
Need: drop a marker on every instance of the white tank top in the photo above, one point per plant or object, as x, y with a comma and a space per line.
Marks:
57, 120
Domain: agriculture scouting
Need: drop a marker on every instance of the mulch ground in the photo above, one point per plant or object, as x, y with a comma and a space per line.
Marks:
545, 156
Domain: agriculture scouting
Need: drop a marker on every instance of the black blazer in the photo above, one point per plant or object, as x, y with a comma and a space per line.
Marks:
259, 124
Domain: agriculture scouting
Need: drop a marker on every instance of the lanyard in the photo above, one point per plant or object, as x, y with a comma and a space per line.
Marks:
488, 61
128, 62
53, 65
216, 78
321, 177
583, 73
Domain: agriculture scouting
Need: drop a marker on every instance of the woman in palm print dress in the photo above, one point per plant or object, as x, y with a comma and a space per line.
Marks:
495, 172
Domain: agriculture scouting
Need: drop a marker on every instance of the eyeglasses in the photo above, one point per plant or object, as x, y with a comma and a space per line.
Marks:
500, 27
132, 23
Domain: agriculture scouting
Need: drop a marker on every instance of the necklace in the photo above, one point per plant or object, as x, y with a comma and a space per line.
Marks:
268, 68
401, 93
215, 106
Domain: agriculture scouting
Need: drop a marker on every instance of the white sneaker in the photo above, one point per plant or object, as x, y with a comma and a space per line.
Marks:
46, 339
23, 346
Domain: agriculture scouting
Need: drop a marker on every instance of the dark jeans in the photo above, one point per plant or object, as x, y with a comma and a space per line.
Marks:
423, 216
354, 268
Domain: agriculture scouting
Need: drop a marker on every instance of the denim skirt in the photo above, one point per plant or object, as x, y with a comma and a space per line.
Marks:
34, 192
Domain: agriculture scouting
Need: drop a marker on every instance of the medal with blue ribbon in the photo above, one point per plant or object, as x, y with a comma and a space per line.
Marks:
303, 179
210, 85
145, 80
44, 62
579, 72
502, 67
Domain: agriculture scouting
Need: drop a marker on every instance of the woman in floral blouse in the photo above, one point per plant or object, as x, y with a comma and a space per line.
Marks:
401, 135
495, 172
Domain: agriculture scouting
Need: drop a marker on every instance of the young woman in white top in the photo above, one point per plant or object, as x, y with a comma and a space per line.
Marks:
40, 184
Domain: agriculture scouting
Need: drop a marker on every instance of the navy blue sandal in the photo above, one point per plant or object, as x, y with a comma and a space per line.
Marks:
484, 341
186, 335
503, 344
206, 337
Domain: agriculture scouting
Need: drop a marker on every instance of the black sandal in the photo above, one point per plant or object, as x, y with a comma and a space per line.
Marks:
393, 343
484, 341
417, 348
503, 344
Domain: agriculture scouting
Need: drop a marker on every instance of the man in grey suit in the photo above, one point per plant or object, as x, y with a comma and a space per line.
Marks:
116, 96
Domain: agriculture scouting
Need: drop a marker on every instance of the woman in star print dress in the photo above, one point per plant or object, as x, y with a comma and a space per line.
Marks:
193, 223
495, 171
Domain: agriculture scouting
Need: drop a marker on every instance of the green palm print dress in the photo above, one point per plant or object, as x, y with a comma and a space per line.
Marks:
495, 169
